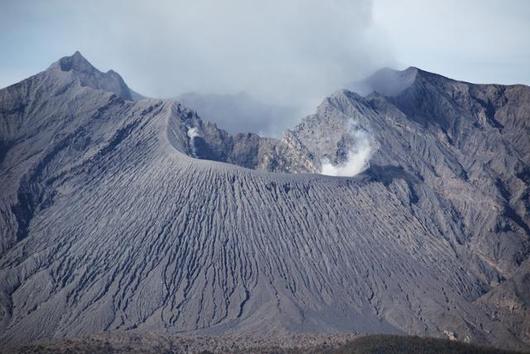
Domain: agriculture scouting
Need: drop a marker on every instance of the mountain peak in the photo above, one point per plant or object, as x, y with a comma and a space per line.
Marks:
390, 82
76, 62
386, 81
88, 75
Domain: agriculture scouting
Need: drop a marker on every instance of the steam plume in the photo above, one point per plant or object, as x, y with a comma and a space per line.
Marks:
358, 157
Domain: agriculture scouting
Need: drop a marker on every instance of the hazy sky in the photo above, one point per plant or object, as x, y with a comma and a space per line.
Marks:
482, 41
285, 52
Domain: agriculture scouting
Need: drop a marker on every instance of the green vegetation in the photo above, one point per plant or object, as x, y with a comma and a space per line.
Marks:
375, 344
411, 344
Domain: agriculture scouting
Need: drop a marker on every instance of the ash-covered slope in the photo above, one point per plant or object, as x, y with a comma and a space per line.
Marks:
108, 222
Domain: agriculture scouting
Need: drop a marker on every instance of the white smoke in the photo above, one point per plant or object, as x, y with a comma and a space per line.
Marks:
357, 159
193, 133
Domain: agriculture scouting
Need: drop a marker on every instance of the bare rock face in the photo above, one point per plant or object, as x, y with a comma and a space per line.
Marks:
121, 213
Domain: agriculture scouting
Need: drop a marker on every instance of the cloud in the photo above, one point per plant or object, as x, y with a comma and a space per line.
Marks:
282, 53
357, 159
286, 54
240, 112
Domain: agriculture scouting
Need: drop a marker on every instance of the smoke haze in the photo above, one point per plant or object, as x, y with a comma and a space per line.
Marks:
286, 54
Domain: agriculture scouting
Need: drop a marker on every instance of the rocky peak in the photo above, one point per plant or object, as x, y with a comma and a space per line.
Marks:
76, 62
80, 68
390, 82
387, 82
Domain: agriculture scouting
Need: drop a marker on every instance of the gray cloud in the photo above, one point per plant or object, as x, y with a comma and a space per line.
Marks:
241, 112
283, 54
286, 54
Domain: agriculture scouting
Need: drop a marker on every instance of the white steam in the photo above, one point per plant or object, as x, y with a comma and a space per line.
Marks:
193, 133
357, 159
